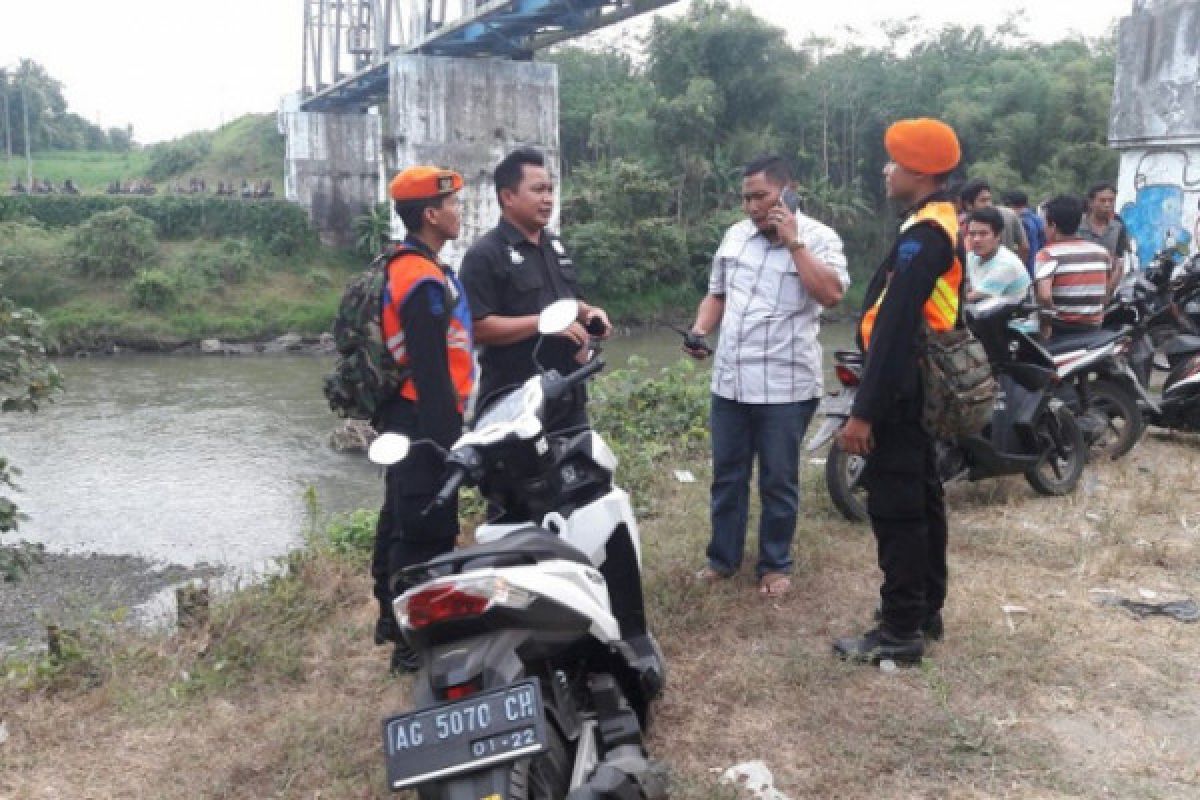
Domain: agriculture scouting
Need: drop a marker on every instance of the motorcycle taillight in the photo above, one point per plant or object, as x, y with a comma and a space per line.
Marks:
441, 603
462, 690
457, 599
847, 376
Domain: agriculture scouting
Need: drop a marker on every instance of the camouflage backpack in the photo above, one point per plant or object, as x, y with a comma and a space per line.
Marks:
960, 391
365, 374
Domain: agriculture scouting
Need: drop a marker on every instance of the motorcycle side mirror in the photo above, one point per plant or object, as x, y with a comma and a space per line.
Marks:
558, 316
388, 449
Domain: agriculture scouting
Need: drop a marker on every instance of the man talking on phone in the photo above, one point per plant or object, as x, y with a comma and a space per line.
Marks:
771, 276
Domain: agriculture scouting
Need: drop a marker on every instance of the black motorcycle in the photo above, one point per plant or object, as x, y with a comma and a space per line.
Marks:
1032, 432
1165, 337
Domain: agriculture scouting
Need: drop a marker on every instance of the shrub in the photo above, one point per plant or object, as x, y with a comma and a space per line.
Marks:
283, 227
115, 244
32, 260
153, 290
230, 261
176, 157
648, 416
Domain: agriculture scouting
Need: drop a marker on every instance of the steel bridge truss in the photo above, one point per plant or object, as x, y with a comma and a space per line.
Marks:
347, 42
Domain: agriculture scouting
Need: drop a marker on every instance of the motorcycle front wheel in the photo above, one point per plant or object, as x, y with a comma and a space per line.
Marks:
1118, 420
843, 478
1063, 454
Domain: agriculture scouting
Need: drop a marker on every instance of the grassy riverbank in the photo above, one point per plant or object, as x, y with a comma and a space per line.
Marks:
281, 695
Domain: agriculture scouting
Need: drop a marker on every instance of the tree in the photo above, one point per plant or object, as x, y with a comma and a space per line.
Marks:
27, 379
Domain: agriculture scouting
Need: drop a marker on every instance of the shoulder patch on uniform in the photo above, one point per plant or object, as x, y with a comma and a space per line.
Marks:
907, 251
437, 298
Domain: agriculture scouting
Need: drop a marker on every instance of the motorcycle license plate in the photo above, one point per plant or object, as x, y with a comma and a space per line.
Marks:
485, 729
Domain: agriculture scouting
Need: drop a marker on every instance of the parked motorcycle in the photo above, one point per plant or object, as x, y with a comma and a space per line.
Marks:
537, 669
1153, 304
1032, 432
1101, 389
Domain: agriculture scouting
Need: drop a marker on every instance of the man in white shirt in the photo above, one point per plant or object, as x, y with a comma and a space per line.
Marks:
771, 276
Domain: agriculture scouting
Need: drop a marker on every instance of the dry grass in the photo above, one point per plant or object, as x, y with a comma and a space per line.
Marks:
282, 698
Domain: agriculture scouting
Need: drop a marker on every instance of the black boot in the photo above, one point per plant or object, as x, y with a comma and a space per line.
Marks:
386, 630
931, 626
404, 659
878, 645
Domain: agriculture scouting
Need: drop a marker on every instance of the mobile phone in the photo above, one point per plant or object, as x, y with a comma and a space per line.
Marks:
789, 199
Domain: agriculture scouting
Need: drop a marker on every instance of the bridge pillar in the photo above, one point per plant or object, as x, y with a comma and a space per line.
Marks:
333, 167
466, 114
1155, 123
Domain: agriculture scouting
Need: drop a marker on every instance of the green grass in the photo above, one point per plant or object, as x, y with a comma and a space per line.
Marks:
91, 170
248, 148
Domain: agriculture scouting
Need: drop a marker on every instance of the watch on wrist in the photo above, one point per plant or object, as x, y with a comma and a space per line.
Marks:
796, 246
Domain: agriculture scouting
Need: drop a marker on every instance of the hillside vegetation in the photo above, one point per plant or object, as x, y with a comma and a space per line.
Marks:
248, 148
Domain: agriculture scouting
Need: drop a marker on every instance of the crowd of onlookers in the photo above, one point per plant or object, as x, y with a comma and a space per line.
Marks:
1070, 254
248, 190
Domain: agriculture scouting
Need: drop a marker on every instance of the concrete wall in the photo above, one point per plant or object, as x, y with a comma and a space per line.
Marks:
465, 115
333, 168
1155, 123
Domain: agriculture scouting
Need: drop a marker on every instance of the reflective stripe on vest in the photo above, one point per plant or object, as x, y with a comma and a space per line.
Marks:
406, 272
941, 309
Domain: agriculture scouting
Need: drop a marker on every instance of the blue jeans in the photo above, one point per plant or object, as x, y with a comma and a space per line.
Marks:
773, 432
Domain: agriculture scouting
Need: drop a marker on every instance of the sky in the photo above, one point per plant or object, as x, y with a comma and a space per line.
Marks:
171, 67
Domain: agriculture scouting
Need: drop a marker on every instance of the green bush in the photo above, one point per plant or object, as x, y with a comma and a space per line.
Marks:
175, 157
230, 261
153, 290
647, 416
114, 244
32, 264
283, 227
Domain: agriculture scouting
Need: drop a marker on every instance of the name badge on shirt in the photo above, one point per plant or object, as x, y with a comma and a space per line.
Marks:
515, 257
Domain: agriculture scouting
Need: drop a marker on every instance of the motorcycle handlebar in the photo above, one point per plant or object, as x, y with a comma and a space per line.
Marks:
454, 482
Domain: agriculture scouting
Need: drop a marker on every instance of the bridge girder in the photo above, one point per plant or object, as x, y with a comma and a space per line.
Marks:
347, 42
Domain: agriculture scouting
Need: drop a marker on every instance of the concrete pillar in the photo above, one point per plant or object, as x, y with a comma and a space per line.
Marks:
1155, 123
465, 115
333, 167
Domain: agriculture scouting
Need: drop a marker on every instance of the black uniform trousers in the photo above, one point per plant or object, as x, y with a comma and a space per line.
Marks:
907, 508
404, 535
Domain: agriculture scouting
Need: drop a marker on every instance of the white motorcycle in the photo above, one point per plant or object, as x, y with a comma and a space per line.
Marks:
537, 668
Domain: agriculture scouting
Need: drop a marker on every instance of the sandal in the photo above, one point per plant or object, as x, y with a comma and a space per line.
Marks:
774, 584
708, 575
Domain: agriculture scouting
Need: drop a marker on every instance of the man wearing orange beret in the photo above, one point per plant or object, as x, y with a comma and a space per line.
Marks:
427, 328
920, 282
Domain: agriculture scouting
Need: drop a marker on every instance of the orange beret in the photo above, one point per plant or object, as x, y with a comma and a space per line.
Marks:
924, 145
424, 183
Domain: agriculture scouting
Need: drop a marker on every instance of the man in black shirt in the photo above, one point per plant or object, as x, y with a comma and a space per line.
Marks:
918, 284
513, 272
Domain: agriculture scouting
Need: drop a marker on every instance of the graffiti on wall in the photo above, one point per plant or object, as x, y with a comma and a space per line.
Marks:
1166, 207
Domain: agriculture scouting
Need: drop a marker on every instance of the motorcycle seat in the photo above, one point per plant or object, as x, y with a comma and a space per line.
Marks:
1182, 345
523, 548
1061, 343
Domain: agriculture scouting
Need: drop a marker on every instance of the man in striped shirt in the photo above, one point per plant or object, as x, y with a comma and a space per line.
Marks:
1072, 274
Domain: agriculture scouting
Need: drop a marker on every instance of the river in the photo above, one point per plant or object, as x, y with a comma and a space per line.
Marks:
202, 460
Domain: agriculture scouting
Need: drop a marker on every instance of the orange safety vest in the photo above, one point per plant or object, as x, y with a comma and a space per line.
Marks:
941, 309
406, 272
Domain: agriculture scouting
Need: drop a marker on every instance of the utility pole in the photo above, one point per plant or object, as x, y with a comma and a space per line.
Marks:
28, 159
8, 174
